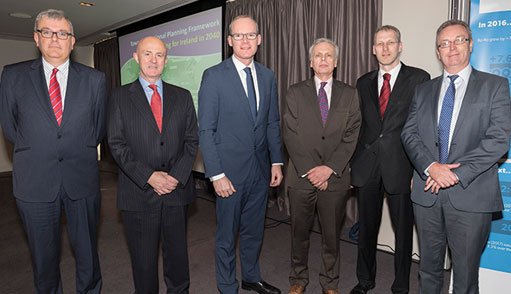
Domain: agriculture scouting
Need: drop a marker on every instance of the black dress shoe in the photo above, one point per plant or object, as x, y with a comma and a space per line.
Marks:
260, 287
361, 289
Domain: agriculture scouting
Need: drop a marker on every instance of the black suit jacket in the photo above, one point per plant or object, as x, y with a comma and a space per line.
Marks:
139, 148
48, 156
380, 140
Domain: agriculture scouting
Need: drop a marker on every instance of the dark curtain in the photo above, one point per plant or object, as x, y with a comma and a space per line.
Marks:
288, 28
106, 59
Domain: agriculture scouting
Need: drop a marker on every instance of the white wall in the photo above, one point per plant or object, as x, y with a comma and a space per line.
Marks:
417, 20
14, 51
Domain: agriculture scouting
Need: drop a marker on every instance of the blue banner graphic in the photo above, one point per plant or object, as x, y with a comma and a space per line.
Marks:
490, 21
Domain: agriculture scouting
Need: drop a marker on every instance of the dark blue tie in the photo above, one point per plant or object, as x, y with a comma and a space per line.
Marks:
251, 93
444, 123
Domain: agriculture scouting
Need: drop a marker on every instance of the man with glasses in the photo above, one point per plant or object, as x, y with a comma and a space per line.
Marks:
320, 126
53, 110
380, 164
457, 129
239, 136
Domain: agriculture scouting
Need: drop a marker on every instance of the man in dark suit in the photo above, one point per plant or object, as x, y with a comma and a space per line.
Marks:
320, 123
458, 127
380, 164
239, 137
53, 110
152, 132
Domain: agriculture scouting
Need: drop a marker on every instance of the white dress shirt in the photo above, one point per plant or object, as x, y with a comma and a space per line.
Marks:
240, 68
328, 88
393, 77
61, 77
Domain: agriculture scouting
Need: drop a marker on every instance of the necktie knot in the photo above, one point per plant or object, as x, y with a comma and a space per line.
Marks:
153, 87
54, 72
386, 77
453, 78
323, 84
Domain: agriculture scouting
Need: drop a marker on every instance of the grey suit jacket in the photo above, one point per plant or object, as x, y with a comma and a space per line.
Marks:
48, 156
139, 148
481, 136
309, 144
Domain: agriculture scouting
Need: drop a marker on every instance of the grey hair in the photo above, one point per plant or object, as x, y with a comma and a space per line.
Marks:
454, 22
52, 14
388, 28
243, 16
323, 40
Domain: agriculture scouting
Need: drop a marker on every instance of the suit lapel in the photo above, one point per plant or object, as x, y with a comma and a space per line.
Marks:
397, 90
72, 89
41, 89
238, 90
374, 93
260, 86
472, 86
435, 91
139, 99
167, 106
311, 98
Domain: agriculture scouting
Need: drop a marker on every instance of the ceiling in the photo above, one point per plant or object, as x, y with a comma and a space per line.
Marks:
91, 24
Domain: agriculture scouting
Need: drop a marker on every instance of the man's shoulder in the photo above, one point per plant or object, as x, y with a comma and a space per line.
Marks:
20, 67
342, 85
85, 69
481, 75
264, 70
175, 89
369, 76
414, 71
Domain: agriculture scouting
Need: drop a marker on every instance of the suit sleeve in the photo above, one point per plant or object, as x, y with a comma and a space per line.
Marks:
137, 171
100, 108
417, 152
495, 142
302, 159
208, 120
273, 128
183, 167
342, 154
8, 109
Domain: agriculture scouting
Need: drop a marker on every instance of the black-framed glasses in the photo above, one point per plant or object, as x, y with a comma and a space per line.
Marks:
456, 42
239, 37
49, 34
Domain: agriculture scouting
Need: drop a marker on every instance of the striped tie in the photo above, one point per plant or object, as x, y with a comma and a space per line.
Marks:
156, 106
384, 93
55, 97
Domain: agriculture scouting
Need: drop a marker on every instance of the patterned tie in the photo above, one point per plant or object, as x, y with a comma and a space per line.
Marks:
251, 93
55, 97
444, 123
323, 103
156, 105
384, 93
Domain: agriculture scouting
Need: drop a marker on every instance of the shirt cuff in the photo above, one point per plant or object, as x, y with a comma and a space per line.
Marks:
217, 177
277, 163
426, 170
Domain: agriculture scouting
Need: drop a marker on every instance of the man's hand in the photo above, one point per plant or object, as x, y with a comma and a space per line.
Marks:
162, 182
319, 174
442, 175
276, 175
431, 184
223, 187
322, 186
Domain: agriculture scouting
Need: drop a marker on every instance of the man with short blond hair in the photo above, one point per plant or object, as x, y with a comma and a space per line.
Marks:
380, 165
53, 110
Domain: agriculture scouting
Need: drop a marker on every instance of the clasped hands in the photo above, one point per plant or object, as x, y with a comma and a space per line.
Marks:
441, 176
319, 175
162, 182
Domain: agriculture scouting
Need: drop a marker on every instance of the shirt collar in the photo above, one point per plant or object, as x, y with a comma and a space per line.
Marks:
393, 72
464, 74
145, 84
49, 68
318, 82
240, 66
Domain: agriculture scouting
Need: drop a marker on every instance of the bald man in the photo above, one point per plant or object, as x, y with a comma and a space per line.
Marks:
152, 132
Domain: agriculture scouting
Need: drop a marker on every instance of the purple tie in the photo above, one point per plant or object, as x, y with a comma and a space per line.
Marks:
323, 103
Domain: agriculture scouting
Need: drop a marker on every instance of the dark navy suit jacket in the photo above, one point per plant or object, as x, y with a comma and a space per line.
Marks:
231, 141
48, 156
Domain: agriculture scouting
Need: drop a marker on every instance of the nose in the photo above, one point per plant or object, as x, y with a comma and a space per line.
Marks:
54, 36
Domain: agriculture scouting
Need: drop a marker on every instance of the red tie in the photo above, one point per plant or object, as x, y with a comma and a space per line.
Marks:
55, 98
156, 105
384, 93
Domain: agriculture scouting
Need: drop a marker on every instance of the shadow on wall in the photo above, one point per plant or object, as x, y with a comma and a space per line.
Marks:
6, 150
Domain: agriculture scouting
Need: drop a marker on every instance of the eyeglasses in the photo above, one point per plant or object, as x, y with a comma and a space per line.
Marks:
239, 37
458, 41
49, 34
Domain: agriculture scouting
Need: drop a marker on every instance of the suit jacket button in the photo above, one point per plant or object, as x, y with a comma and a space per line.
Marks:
163, 165
161, 143
61, 159
323, 138
381, 135
59, 136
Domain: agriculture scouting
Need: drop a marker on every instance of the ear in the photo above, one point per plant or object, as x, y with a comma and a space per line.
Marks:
335, 63
135, 56
400, 49
229, 40
374, 50
73, 40
166, 59
259, 39
470, 45
36, 39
